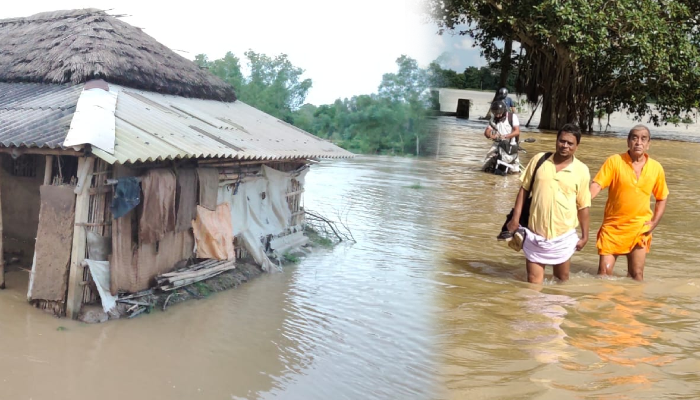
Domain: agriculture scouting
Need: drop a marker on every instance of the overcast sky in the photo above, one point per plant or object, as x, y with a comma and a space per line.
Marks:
344, 47
458, 52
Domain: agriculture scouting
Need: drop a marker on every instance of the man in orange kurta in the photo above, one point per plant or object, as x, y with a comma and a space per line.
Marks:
633, 177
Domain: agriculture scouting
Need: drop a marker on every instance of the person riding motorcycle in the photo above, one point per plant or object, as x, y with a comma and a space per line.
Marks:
502, 94
502, 158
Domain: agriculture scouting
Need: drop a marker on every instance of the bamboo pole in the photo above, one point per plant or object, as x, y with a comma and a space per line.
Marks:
48, 170
42, 151
92, 215
199, 273
230, 162
82, 208
84, 174
101, 198
2, 247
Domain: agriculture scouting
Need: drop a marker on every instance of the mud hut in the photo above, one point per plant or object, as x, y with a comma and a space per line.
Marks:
125, 167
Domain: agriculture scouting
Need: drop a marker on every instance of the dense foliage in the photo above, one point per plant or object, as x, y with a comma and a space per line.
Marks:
391, 121
484, 78
583, 55
274, 85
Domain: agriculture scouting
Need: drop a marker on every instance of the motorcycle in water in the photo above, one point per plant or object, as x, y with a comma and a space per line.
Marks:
502, 158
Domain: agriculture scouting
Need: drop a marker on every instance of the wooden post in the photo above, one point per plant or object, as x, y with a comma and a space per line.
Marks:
2, 247
82, 206
48, 170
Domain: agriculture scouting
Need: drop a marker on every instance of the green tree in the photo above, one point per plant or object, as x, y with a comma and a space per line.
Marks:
444, 78
407, 91
304, 117
227, 68
273, 86
582, 55
472, 78
389, 122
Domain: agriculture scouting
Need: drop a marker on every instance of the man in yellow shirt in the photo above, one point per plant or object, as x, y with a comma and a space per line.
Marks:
560, 202
633, 177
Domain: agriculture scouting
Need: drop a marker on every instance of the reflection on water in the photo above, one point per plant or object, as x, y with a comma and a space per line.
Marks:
541, 333
426, 304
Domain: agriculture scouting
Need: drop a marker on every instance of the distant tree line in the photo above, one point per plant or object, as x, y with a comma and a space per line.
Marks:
484, 78
391, 121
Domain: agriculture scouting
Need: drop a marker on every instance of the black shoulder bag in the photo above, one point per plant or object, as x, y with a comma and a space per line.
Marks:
525, 213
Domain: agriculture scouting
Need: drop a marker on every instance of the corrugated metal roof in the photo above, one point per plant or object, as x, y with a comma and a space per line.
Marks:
36, 115
152, 126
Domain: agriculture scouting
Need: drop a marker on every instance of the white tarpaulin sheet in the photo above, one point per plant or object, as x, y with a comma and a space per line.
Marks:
100, 274
94, 121
260, 208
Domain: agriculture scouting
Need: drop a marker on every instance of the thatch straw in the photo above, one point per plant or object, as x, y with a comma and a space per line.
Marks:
76, 46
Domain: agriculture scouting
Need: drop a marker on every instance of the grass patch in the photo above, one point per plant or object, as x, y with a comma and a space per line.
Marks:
325, 242
61, 328
317, 239
290, 258
203, 288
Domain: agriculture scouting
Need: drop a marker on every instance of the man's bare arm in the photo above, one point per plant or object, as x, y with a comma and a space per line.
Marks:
514, 133
514, 223
659, 209
583, 220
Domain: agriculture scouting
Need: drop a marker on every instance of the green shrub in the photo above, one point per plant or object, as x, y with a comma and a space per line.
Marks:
290, 258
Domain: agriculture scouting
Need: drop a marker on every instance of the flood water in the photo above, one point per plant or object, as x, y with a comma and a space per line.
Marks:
425, 305
587, 338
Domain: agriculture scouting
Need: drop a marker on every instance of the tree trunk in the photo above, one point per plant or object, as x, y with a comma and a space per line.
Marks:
558, 101
505, 62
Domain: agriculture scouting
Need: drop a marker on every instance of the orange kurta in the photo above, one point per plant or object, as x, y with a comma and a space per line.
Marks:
629, 203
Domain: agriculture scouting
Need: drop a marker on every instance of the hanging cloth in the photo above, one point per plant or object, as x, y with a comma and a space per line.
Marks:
208, 187
186, 199
127, 195
158, 215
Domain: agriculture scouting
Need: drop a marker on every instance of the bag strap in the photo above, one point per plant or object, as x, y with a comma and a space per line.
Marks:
539, 164
510, 121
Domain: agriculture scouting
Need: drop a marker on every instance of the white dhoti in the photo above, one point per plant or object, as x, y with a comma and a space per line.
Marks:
553, 251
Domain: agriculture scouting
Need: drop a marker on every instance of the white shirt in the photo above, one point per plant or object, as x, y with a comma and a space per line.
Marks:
504, 128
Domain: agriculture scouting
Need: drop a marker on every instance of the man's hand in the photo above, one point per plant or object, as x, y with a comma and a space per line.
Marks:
495, 136
651, 224
513, 225
581, 243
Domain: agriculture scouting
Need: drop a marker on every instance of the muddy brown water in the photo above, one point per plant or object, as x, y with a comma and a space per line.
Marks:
426, 304
501, 338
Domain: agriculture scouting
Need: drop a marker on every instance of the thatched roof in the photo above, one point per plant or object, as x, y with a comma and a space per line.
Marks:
75, 46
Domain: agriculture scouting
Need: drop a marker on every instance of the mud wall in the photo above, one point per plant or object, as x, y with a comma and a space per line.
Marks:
20, 198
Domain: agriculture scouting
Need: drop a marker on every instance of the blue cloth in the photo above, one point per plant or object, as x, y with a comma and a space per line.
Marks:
127, 195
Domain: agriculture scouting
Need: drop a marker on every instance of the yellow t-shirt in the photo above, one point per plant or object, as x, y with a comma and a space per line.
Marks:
556, 196
628, 206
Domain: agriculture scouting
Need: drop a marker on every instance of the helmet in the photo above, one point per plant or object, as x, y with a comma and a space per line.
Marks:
498, 108
502, 93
